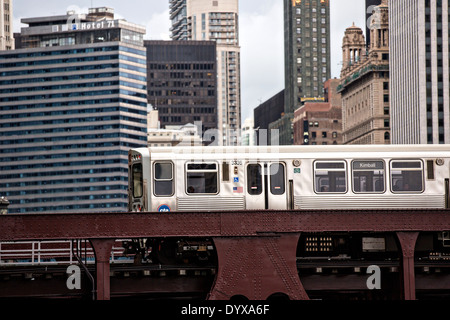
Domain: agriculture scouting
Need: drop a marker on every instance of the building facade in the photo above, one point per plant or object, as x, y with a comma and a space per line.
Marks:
248, 132
182, 82
6, 25
365, 83
186, 135
73, 103
419, 56
320, 123
216, 21
371, 5
307, 57
266, 113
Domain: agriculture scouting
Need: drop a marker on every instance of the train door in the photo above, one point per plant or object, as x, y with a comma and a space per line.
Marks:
266, 186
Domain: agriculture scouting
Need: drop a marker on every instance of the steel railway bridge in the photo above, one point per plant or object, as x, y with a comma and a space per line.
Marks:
256, 256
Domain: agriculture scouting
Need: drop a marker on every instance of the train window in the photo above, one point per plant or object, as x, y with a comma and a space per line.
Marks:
201, 178
163, 182
368, 177
407, 176
137, 180
225, 172
330, 177
254, 179
277, 184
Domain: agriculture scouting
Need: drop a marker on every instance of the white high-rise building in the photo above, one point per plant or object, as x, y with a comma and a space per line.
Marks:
217, 21
419, 71
6, 25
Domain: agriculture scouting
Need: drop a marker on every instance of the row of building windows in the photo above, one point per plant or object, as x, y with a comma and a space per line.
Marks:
75, 86
70, 121
72, 51
74, 94
73, 77
187, 110
73, 69
59, 61
438, 71
11, 185
73, 103
72, 138
73, 129
68, 190
119, 207
37, 157
71, 198
79, 172
71, 147
72, 112
298, 11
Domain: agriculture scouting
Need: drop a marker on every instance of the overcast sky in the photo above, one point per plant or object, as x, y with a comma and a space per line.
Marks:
261, 34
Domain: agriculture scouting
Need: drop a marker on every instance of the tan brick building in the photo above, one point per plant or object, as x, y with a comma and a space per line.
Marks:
6, 25
365, 83
320, 123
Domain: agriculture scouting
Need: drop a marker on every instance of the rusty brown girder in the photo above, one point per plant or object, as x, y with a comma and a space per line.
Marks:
215, 224
256, 249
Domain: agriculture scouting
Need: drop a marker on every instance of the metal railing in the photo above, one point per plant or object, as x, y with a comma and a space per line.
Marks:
33, 253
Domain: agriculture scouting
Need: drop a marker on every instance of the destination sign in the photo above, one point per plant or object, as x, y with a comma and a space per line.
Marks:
368, 165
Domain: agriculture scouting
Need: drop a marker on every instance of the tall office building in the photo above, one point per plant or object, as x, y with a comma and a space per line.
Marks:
365, 82
371, 5
217, 21
264, 115
72, 103
6, 25
307, 57
419, 61
182, 82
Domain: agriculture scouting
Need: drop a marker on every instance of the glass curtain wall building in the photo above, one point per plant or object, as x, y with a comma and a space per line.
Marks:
182, 82
72, 103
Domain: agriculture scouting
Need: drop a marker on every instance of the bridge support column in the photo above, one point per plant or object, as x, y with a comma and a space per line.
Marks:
102, 249
257, 267
408, 244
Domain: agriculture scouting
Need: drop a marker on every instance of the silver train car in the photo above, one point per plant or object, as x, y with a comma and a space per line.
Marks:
289, 178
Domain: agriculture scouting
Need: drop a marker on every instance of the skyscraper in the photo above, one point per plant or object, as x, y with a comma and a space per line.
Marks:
6, 25
307, 57
217, 21
182, 82
419, 70
72, 104
365, 82
370, 7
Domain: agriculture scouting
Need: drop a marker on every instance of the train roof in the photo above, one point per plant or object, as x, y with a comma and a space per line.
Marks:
309, 151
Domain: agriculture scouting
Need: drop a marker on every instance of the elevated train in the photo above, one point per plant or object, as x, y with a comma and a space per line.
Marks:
292, 178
